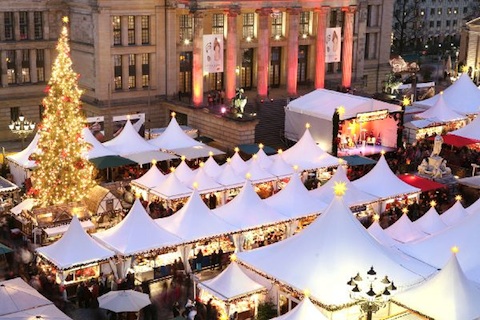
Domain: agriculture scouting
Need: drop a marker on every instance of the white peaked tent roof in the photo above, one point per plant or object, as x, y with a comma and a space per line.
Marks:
231, 283
195, 221
196, 152
295, 201
322, 103
304, 310
455, 214
136, 233
238, 164
447, 295
129, 142
383, 183
152, 178
98, 149
280, 167
474, 207
174, 138
307, 155
471, 130
247, 211
257, 174
440, 112
212, 167
17, 295
353, 197
74, 248
171, 188
264, 160
21, 158
462, 96
183, 172
229, 177
48, 312
430, 222
404, 230
379, 233
328, 252
435, 249
204, 182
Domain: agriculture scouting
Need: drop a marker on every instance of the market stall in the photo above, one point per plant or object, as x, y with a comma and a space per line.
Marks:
9, 195
20, 164
106, 209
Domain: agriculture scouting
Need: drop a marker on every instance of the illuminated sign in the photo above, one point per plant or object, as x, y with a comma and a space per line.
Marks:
371, 116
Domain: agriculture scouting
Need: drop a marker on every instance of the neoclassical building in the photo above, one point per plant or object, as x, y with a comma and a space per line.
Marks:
134, 56
470, 48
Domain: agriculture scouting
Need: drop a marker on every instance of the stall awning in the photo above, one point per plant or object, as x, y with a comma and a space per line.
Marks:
55, 231
254, 148
421, 183
356, 160
456, 141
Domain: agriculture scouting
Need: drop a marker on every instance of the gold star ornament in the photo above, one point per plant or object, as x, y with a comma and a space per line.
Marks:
339, 188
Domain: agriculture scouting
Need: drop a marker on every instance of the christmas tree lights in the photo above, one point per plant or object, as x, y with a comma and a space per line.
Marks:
63, 174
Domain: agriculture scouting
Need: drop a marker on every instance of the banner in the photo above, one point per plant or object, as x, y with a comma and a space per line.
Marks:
212, 53
97, 127
333, 44
137, 120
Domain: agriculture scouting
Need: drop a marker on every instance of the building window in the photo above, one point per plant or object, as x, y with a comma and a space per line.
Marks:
25, 66
8, 22
38, 25
372, 15
145, 70
14, 113
455, 10
432, 24
11, 77
23, 24
304, 27
454, 23
186, 27
218, 23
131, 71
117, 30
41, 65
449, 11
447, 23
117, 63
465, 10
439, 24
248, 29
277, 24
131, 30
432, 11
145, 29
439, 11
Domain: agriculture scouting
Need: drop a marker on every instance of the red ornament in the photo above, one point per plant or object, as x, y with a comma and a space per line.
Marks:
47, 89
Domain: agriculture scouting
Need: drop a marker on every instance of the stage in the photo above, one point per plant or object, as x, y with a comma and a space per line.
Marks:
361, 150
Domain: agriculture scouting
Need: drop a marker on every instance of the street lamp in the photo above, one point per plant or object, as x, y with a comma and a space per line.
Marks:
371, 293
22, 127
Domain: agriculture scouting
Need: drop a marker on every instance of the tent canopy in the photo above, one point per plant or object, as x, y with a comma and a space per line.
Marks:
129, 141
174, 137
152, 178
470, 131
456, 141
403, 230
16, 295
421, 183
304, 310
356, 160
430, 222
454, 214
440, 112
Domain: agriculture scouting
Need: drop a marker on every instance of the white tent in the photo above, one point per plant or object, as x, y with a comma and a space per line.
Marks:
183, 172
171, 188
454, 214
247, 211
232, 283
404, 230
447, 295
17, 295
136, 233
257, 174
48, 312
380, 235
353, 197
74, 248
152, 178
328, 253
212, 167
383, 183
430, 222
280, 168
264, 160
307, 155
196, 152
195, 221
295, 201
229, 177
470, 131
204, 183
474, 207
131, 145
304, 310
238, 164
456, 96
20, 163
440, 112
97, 149
318, 108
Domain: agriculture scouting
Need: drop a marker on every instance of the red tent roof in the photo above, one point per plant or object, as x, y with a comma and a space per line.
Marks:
456, 141
421, 183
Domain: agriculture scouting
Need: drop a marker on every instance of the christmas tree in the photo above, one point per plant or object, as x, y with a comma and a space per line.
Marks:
63, 174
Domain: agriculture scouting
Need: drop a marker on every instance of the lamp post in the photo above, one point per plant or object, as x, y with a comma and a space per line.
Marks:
22, 127
371, 293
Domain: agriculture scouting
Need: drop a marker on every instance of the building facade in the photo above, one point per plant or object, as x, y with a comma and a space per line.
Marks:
133, 56
469, 55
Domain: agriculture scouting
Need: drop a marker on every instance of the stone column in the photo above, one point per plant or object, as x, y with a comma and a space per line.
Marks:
2, 26
138, 30
292, 50
263, 51
197, 72
231, 54
138, 71
320, 47
18, 65
31, 25
124, 30
347, 54
33, 65
3, 68
125, 71
16, 25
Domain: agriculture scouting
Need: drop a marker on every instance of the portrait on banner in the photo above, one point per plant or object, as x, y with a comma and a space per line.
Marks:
333, 37
212, 53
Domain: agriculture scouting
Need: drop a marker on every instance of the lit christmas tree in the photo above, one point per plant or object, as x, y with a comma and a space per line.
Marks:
63, 174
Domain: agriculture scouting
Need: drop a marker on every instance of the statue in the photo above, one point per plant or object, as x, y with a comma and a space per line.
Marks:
437, 145
239, 102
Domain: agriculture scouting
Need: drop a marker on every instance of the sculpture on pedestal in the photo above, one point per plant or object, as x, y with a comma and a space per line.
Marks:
239, 102
435, 166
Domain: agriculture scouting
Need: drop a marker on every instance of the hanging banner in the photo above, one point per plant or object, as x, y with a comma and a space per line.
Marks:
333, 44
97, 127
137, 120
212, 53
